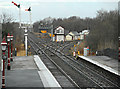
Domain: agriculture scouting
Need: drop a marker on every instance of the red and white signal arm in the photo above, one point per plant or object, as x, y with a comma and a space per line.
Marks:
14, 3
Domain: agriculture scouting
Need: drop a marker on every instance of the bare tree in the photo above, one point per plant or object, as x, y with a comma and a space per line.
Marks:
6, 18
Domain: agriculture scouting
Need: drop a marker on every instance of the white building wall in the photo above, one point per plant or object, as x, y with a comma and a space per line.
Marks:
81, 37
59, 30
68, 38
60, 37
76, 38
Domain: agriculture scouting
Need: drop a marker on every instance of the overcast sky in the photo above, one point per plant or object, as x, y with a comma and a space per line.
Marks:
56, 8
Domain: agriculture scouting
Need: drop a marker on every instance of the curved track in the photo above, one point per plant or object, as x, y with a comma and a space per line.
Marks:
83, 75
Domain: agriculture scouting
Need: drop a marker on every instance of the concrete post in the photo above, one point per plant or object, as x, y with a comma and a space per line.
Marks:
26, 43
0, 55
26, 34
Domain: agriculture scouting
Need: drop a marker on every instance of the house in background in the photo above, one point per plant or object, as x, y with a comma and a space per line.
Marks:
59, 34
69, 37
85, 32
81, 36
75, 35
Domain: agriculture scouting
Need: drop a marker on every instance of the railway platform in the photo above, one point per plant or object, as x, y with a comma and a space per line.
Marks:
29, 72
107, 63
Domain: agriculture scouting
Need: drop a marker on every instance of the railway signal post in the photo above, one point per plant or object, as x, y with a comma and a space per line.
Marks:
19, 16
18, 5
29, 9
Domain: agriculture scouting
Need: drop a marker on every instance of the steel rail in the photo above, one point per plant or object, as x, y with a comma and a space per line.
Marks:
69, 78
93, 71
84, 66
80, 72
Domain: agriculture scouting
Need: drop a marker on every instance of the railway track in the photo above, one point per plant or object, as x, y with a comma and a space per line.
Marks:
93, 78
40, 51
72, 73
108, 76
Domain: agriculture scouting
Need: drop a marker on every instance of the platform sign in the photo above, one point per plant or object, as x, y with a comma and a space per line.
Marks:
85, 52
88, 48
74, 54
43, 31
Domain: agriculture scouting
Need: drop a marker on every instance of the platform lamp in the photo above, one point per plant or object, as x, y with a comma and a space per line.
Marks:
4, 45
11, 38
8, 40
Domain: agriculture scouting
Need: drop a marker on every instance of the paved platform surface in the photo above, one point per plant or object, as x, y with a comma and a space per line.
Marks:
105, 62
46, 76
25, 72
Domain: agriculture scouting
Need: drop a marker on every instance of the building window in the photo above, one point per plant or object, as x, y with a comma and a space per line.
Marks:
57, 31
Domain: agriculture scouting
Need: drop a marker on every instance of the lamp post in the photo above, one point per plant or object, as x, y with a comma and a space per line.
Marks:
11, 47
8, 40
4, 45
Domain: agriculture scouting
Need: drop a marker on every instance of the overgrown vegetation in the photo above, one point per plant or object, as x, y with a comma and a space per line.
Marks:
103, 28
9, 26
105, 32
